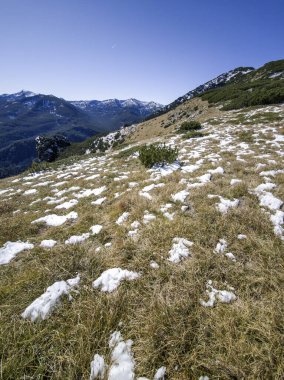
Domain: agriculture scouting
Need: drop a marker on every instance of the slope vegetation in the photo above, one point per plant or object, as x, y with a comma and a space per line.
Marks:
109, 269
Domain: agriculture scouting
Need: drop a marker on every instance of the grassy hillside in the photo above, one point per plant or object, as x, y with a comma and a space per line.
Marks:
211, 305
260, 87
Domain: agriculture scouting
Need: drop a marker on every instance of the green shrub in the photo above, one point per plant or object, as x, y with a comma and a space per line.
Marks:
190, 126
247, 94
39, 166
193, 134
157, 154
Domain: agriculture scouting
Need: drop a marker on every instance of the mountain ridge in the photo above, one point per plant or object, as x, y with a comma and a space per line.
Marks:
25, 115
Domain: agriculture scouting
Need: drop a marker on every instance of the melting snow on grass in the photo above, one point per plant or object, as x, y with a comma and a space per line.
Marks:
110, 279
75, 239
223, 296
162, 170
29, 192
160, 374
164, 209
99, 201
221, 246
123, 218
68, 204
96, 229
179, 250
98, 368
122, 361
180, 196
56, 220
43, 306
11, 249
270, 201
147, 218
87, 192
278, 220
225, 204
135, 225
48, 243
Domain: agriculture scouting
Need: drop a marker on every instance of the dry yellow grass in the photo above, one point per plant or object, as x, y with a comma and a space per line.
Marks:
160, 311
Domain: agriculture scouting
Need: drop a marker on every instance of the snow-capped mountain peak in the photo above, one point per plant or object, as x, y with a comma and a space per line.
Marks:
19, 95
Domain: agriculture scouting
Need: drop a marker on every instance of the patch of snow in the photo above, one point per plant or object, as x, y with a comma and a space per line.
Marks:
145, 195
92, 177
221, 246
75, 239
56, 220
179, 250
180, 196
29, 192
277, 220
218, 170
225, 204
235, 181
270, 201
122, 361
190, 168
264, 187
110, 279
48, 243
152, 186
160, 374
205, 178
96, 229
68, 204
154, 265
135, 224
123, 218
165, 169
132, 184
87, 192
148, 217
271, 173
242, 236
223, 296
98, 368
11, 249
99, 201
43, 306
230, 256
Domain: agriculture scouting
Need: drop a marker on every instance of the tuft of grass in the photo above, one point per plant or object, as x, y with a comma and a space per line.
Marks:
193, 134
246, 136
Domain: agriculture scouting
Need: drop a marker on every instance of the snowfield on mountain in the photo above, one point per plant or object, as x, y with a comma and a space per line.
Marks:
109, 270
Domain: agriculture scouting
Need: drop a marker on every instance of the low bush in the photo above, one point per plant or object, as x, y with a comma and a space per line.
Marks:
39, 166
190, 126
157, 154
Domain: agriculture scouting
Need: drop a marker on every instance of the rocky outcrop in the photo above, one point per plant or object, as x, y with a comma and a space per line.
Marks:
48, 148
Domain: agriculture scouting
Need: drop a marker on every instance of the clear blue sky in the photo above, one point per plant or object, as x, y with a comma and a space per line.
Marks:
146, 49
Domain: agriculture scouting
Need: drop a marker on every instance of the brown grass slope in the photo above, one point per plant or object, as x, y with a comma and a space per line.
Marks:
160, 311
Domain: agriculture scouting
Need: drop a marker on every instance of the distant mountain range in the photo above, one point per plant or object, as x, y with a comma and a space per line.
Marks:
25, 115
